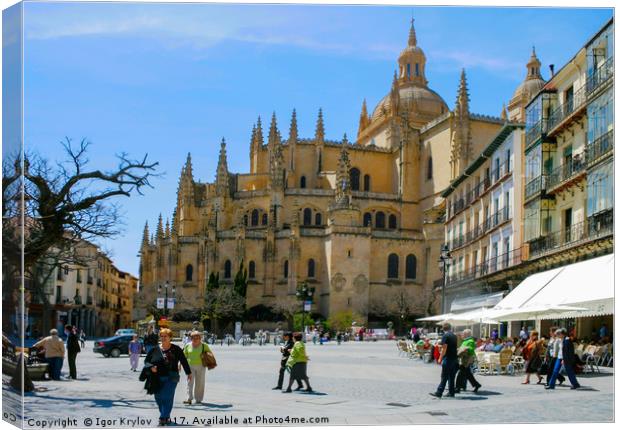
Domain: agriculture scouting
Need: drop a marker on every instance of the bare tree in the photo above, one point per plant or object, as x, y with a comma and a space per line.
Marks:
53, 206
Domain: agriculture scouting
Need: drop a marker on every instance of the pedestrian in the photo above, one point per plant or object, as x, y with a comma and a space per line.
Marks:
449, 362
164, 360
566, 358
523, 334
73, 348
553, 348
54, 353
298, 364
150, 340
339, 338
531, 354
82, 339
193, 352
467, 355
285, 350
135, 348
602, 333
186, 339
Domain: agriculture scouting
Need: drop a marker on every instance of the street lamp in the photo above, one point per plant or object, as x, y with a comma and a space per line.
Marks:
166, 286
444, 261
304, 294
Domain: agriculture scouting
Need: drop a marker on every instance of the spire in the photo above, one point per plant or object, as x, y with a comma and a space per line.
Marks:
173, 227
533, 66
394, 94
504, 115
259, 133
345, 141
145, 234
462, 98
343, 178
160, 229
221, 178
188, 167
167, 231
364, 119
412, 38
253, 138
274, 134
292, 135
319, 134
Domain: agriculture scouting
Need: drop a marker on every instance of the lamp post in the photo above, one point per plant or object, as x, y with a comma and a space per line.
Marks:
304, 293
444, 260
166, 286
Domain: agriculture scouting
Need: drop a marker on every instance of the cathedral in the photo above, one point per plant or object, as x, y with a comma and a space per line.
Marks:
360, 222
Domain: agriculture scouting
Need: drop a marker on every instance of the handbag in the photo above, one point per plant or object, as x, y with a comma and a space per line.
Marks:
208, 359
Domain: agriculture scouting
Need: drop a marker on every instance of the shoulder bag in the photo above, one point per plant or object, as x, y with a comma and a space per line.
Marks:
207, 358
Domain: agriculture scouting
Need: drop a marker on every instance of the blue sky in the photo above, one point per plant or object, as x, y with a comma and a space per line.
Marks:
169, 79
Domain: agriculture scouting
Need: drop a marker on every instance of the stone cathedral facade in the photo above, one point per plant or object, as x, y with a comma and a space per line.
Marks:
361, 222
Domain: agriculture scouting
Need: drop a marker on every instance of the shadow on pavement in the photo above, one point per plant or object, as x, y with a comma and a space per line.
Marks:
102, 403
313, 393
211, 406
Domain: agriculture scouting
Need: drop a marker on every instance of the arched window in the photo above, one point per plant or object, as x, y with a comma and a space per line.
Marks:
392, 269
408, 70
227, 269
189, 272
264, 220
411, 267
318, 219
392, 222
307, 216
311, 267
302, 182
245, 220
286, 269
366, 182
254, 217
367, 219
380, 220
354, 175
417, 69
252, 270
429, 168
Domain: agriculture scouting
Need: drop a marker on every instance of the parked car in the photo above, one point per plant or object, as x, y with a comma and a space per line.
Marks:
124, 331
115, 346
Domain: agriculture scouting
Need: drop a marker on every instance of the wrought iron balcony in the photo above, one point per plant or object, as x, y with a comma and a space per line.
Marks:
600, 147
535, 186
566, 171
600, 76
594, 227
486, 267
567, 109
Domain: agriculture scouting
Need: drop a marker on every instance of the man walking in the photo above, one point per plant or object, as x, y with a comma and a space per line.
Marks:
73, 348
566, 357
449, 362
467, 354
150, 340
54, 353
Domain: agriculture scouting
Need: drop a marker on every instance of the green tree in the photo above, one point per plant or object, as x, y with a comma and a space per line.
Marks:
342, 321
297, 321
241, 281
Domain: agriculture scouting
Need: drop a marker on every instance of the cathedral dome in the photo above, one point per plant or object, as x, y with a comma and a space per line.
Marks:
533, 82
420, 99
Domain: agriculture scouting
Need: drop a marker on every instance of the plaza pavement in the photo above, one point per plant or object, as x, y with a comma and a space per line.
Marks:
355, 383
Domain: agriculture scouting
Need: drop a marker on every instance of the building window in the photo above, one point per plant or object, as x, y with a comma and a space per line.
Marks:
367, 219
417, 69
59, 274
286, 269
311, 268
227, 269
79, 276
318, 219
392, 269
252, 270
189, 272
408, 70
392, 222
354, 175
66, 270
58, 294
245, 220
380, 220
307, 216
302, 182
429, 169
411, 264
600, 189
254, 217
366, 182
264, 220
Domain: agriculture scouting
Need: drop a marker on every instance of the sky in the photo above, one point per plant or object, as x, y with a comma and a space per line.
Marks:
168, 79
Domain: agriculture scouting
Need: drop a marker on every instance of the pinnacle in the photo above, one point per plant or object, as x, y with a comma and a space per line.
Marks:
412, 36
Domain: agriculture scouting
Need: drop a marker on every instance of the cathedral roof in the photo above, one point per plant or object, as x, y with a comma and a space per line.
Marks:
426, 100
533, 82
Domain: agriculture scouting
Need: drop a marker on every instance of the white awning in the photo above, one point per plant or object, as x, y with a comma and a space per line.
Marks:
588, 285
476, 302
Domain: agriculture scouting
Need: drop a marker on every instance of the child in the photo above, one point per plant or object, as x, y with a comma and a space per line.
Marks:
135, 348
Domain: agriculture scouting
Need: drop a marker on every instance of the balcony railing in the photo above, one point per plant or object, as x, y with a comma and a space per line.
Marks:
601, 146
594, 227
535, 186
566, 171
502, 215
486, 267
567, 108
600, 76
